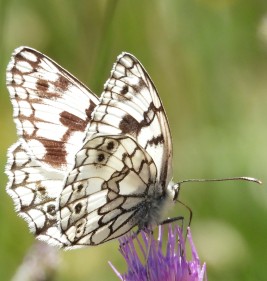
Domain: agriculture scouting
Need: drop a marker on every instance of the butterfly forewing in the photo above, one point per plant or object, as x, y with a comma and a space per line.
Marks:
51, 107
105, 195
130, 105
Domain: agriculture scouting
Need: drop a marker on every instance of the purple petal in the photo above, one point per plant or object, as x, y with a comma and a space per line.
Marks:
172, 266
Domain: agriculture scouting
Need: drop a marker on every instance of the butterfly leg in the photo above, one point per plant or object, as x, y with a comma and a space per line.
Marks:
171, 220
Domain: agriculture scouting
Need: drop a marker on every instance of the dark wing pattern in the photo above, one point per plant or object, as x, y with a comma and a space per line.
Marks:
52, 108
130, 105
108, 191
35, 190
122, 172
84, 170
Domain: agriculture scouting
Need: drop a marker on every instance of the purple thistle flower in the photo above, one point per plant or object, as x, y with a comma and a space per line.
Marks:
171, 266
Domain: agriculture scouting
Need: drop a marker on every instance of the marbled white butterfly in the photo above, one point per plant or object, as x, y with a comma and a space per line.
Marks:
86, 170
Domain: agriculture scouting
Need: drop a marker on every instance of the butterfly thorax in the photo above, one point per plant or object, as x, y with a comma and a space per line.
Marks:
156, 205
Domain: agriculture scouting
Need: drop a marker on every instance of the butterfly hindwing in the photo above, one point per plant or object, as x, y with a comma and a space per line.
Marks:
34, 190
106, 194
51, 107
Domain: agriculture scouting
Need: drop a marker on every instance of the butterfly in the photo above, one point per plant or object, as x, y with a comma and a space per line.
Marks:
86, 170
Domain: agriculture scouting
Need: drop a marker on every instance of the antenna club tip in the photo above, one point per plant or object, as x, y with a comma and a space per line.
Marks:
252, 179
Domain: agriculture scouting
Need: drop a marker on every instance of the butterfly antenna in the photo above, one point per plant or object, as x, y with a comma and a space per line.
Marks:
177, 186
223, 179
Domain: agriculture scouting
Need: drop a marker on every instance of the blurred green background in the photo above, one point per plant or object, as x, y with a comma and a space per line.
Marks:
208, 59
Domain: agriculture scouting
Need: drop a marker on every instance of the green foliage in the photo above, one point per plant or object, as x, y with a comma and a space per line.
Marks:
209, 62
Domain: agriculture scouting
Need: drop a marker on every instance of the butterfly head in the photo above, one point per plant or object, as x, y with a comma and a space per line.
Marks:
174, 189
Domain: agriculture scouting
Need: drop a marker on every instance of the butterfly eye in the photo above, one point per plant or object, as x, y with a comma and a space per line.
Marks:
176, 189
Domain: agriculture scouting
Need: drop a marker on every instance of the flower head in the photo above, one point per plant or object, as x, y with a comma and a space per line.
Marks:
160, 264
